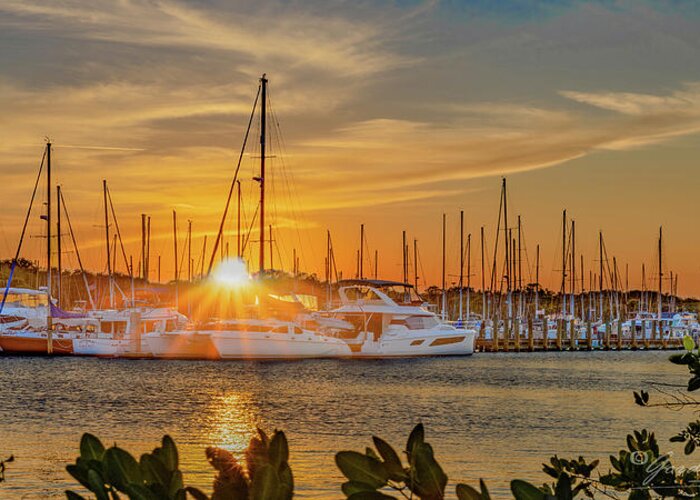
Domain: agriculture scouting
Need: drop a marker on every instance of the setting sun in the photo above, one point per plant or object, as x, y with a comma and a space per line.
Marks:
231, 273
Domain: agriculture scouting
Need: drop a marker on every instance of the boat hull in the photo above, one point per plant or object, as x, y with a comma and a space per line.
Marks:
454, 343
34, 345
261, 345
181, 346
104, 348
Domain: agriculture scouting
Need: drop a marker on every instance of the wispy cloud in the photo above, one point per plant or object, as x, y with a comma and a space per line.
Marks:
288, 34
502, 138
681, 102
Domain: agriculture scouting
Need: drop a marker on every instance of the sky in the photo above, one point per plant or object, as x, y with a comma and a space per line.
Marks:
387, 114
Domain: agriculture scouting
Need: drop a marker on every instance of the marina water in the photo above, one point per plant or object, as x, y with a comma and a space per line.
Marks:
491, 416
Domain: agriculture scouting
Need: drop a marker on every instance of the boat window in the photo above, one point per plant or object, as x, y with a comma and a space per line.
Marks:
279, 329
417, 322
362, 294
114, 326
25, 300
298, 330
447, 340
356, 320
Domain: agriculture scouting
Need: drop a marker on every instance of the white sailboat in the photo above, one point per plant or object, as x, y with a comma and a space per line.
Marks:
114, 333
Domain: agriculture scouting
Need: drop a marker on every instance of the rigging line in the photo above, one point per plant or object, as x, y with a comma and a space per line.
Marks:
233, 183
275, 134
182, 259
368, 256
485, 267
495, 247
292, 192
119, 234
527, 256
250, 229
77, 252
420, 264
21, 237
567, 253
279, 255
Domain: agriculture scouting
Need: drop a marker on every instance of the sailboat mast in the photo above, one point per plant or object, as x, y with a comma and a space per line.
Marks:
661, 273
415, 264
108, 245
444, 298
563, 264
483, 278
520, 270
404, 260
263, 123
176, 276
329, 269
583, 290
143, 247
572, 306
48, 233
147, 265
362, 250
189, 250
238, 222
461, 260
58, 245
506, 236
537, 280
600, 275
469, 273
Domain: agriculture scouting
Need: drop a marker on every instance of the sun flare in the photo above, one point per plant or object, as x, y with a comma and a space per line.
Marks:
231, 273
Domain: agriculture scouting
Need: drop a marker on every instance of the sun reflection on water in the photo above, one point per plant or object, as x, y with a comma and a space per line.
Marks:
232, 422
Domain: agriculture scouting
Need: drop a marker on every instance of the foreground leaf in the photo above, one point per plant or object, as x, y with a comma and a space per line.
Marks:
91, 448
522, 490
358, 467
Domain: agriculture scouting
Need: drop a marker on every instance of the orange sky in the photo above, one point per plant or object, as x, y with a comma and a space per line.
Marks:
390, 115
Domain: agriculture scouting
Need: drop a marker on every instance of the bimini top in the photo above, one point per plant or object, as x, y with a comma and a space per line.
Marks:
374, 283
21, 291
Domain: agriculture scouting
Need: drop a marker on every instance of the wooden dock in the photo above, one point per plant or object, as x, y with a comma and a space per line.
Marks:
568, 338
541, 345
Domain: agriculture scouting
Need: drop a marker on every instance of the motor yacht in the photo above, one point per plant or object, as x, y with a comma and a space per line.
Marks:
384, 323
